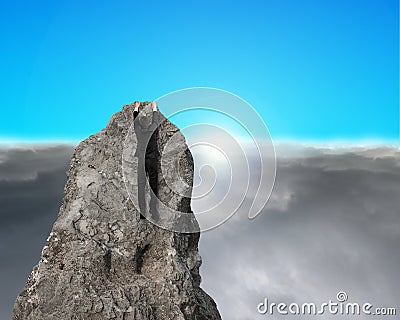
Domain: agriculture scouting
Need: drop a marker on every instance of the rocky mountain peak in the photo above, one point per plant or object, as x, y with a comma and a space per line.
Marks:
100, 260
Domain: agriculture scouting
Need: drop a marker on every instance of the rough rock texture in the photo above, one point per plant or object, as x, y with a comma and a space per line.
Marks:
100, 260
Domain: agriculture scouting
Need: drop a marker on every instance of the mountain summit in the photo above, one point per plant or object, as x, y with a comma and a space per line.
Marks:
101, 261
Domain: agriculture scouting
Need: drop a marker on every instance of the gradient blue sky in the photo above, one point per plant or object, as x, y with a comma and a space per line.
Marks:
313, 69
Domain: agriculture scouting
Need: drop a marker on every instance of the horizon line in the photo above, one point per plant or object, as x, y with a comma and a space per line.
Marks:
336, 143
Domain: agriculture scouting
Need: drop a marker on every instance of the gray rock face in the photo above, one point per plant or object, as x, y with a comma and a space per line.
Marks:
100, 260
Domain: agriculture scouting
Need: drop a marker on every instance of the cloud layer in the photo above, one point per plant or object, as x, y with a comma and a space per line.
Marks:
332, 224
31, 189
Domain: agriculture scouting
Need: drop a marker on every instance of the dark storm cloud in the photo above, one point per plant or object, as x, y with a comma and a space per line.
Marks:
25, 162
32, 181
332, 224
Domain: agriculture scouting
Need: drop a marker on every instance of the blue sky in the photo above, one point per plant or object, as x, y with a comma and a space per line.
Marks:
313, 69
